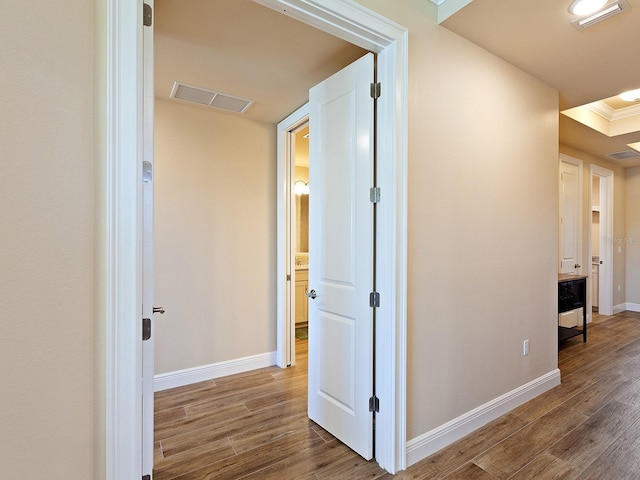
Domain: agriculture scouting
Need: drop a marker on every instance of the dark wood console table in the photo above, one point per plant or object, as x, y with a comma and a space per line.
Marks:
572, 294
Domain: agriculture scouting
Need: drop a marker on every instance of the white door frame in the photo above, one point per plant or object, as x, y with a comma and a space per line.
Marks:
120, 229
605, 270
285, 304
358, 25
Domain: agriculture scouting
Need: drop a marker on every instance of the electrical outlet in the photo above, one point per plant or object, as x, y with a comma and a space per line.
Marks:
525, 348
619, 287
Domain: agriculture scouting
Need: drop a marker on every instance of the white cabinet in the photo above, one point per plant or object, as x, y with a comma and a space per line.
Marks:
302, 287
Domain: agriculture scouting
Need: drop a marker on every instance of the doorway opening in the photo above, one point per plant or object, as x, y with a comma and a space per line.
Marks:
300, 229
602, 241
389, 41
123, 224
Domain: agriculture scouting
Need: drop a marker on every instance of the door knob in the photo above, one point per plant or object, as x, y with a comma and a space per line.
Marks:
311, 294
159, 310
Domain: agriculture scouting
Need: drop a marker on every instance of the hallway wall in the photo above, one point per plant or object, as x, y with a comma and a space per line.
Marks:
482, 214
47, 240
215, 233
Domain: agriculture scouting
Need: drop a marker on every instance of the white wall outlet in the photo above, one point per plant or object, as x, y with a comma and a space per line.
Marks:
619, 287
525, 348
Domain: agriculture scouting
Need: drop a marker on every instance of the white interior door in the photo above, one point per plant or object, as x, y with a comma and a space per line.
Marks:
341, 120
570, 211
605, 270
147, 256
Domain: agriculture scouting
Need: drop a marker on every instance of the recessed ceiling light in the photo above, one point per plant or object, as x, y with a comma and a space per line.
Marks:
614, 8
630, 95
586, 7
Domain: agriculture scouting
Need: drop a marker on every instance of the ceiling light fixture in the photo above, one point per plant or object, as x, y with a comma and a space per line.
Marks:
630, 95
586, 7
610, 10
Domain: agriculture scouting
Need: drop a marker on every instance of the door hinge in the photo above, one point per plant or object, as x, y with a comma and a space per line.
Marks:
146, 477
146, 328
374, 194
374, 299
147, 15
374, 404
147, 172
375, 90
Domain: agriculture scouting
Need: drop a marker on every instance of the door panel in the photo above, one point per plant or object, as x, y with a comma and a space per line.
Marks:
341, 266
148, 350
569, 218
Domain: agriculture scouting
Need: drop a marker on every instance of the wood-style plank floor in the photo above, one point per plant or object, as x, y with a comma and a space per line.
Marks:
254, 425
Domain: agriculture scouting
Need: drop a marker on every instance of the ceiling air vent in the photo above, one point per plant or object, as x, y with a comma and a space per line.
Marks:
210, 98
623, 155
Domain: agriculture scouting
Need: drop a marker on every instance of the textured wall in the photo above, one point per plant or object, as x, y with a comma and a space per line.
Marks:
46, 240
483, 235
215, 234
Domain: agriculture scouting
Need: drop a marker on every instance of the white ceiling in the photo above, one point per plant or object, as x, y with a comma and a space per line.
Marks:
244, 49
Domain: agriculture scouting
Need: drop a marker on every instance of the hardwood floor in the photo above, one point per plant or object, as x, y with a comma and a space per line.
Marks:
254, 425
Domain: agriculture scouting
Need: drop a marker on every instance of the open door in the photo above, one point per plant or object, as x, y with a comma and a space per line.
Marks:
148, 309
570, 214
341, 269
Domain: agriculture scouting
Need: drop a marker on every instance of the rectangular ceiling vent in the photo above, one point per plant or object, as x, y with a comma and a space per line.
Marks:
209, 98
623, 155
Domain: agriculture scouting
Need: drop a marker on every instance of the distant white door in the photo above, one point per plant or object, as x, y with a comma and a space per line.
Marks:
341, 267
605, 270
570, 211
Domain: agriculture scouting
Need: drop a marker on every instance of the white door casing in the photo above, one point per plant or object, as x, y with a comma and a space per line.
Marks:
121, 271
285, 303
341, 149
120, 208
605, 271
570, 217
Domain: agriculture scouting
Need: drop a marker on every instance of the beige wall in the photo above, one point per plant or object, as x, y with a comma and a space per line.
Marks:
483, 235
619, 218
215, 236
632, 244
46, 240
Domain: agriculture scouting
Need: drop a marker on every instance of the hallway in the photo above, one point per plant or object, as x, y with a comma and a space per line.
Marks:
254, 425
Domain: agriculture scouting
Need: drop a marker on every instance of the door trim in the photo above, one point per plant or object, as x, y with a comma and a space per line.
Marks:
119, 224
605, 271
360, 26
119, 246
285, 343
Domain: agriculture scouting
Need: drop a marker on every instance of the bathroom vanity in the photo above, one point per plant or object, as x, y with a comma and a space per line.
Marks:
301, 301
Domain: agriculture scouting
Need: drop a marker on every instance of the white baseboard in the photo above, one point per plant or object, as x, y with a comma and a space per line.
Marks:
164, 381
632, 307
430, 442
